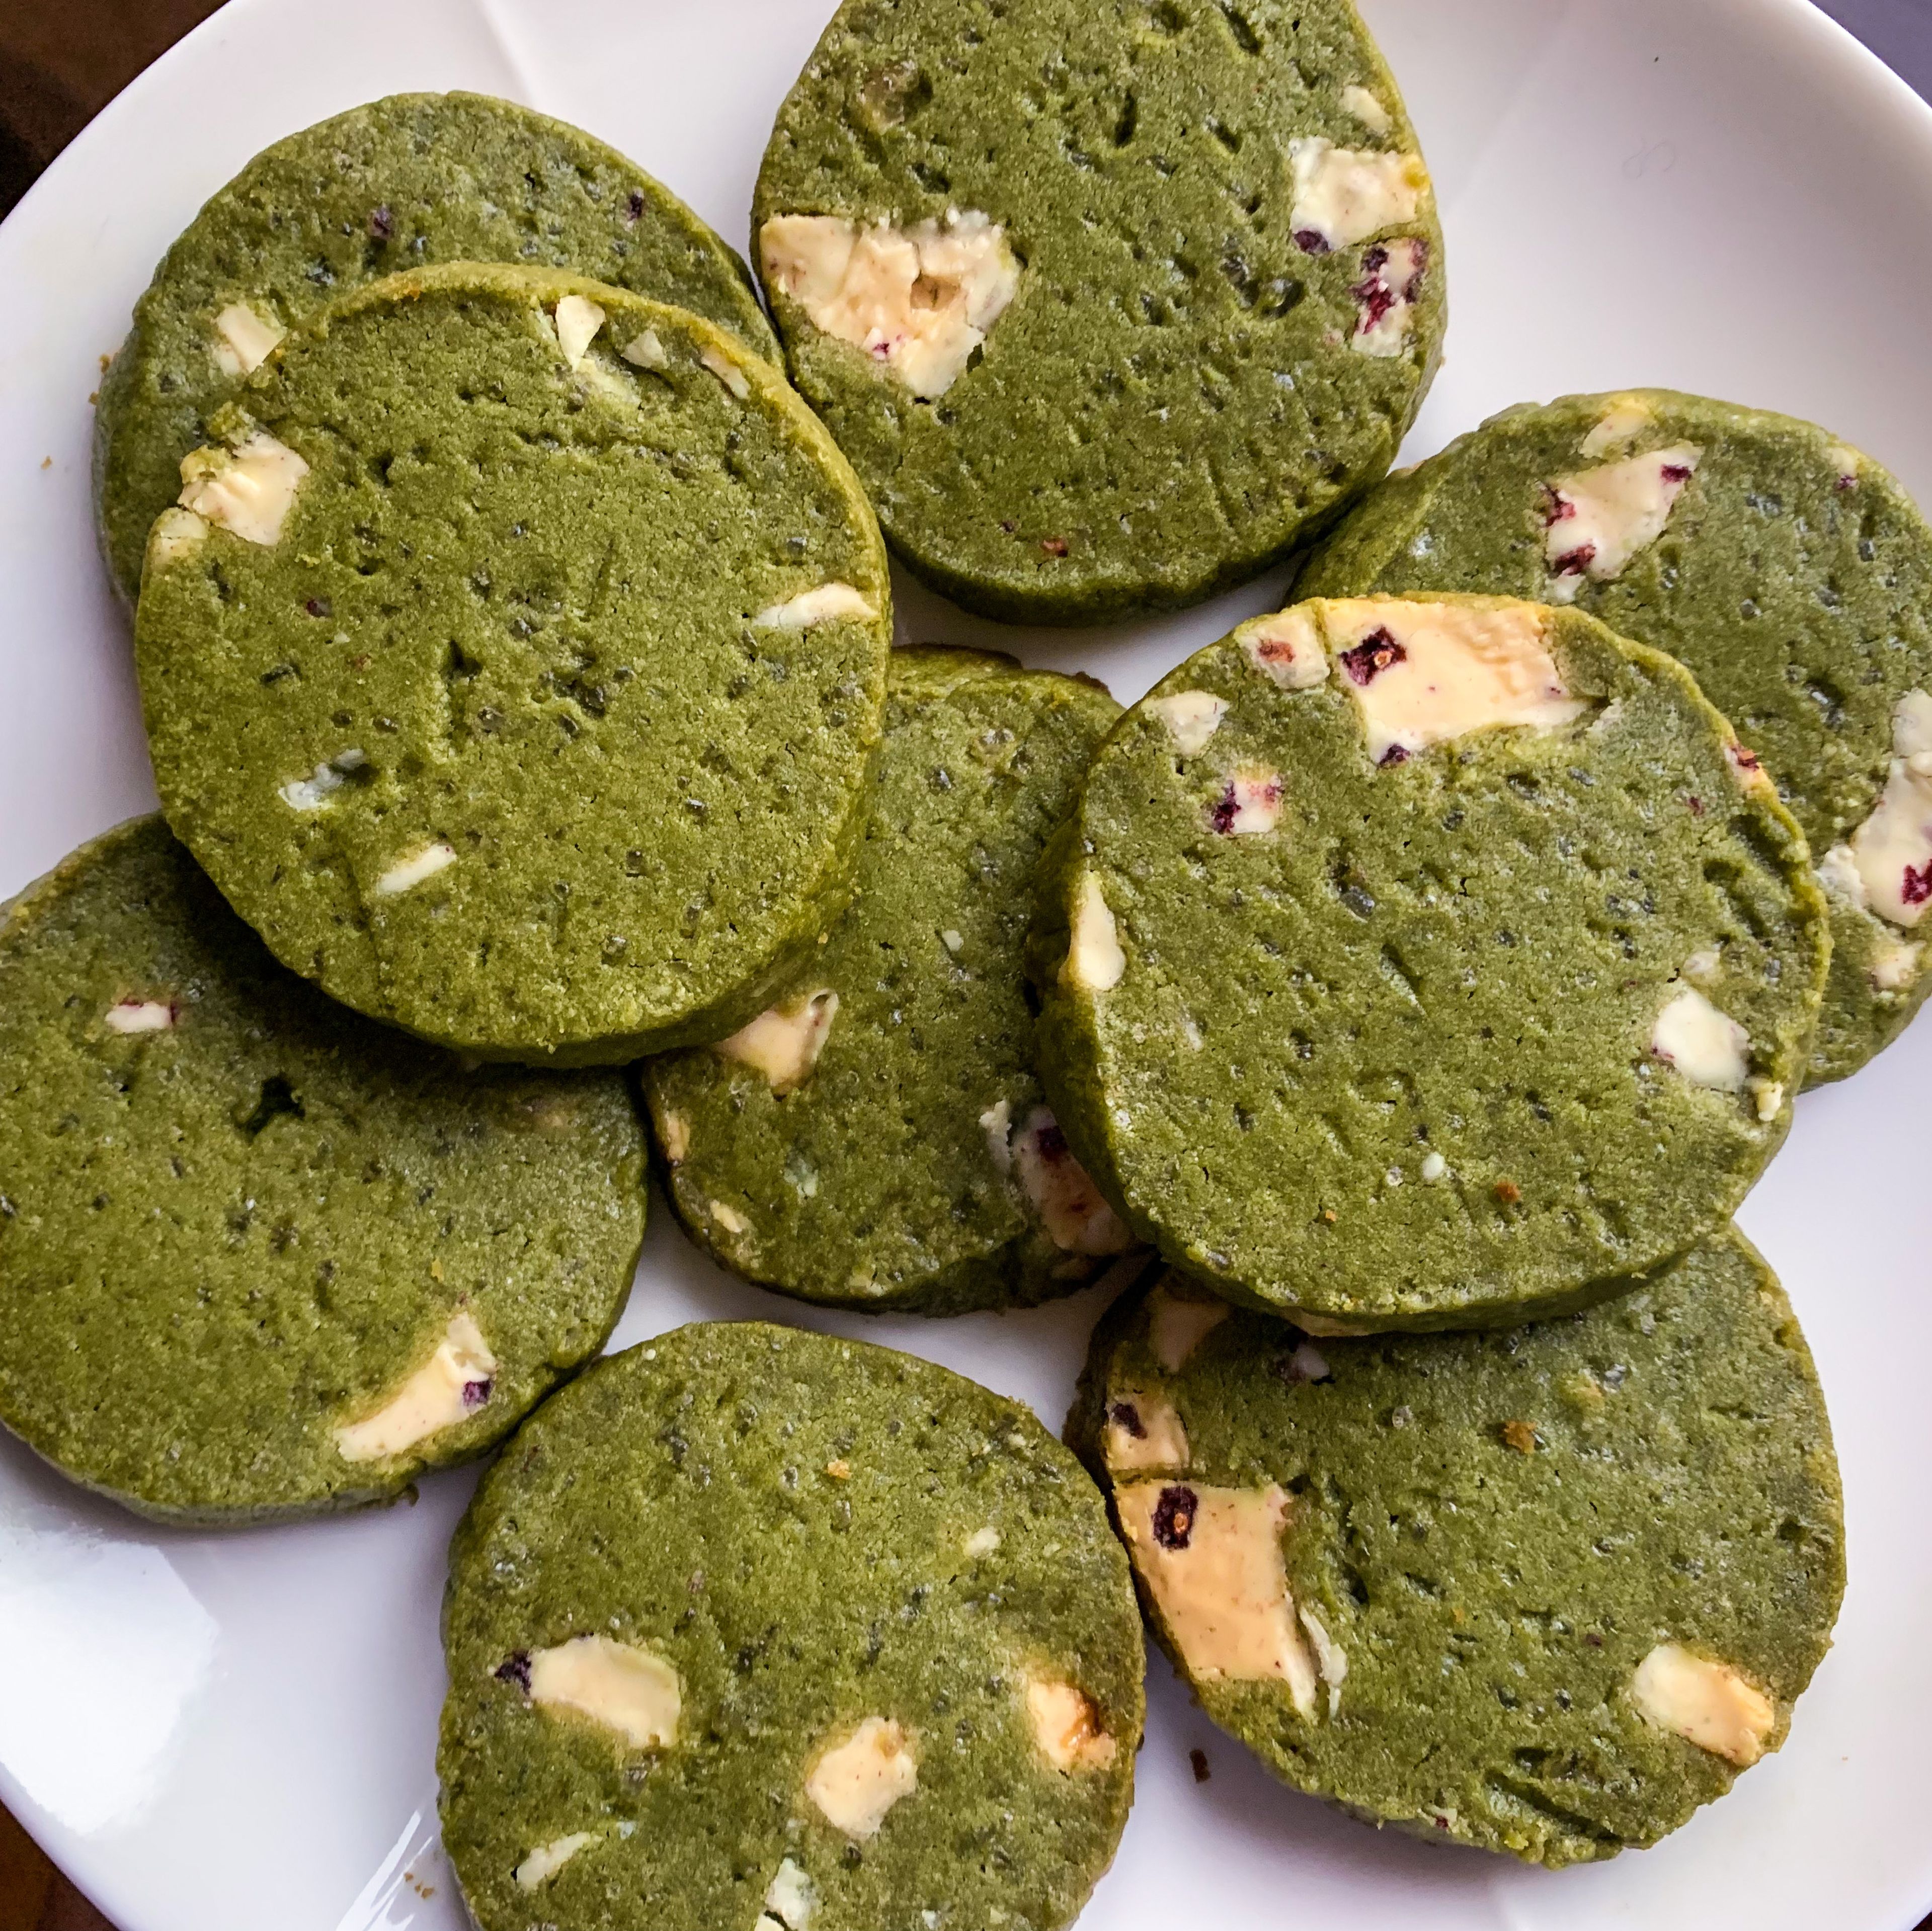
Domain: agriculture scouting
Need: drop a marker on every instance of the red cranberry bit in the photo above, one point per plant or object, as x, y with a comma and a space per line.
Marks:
1420, 256
1311, 241
1051, 1143
1375, 299
1574, 562
634, 206
1697, 807
319, 607
475, 1393
1226, 809
1174, 1517
516, 1670
1376, 653
1676, 472
1054, 545
1917, 885
1847, 483
1125, 1415
1395, 754
381, 224
1557, 508
1744, 760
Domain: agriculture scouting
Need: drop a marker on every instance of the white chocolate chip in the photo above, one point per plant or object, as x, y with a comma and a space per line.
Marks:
726, 371
1838, 874
448, 1388
1708, 1047
618, 1685
1142, 1432
1366, 108
1067, 1726
954, 942
1386, 296
1094, 961
578, 319
1704, 967
1434, 1166
1627, 418
784, 1043
982, 1543
420, 865
1176, 1327
140, 1016
1846, 461
1597, 519
728, 1218
249, 489
1191, 718
246, 339
830, 603
1285, 647
791, 1899
1887, 867
1894, 965
918, 301
1077, 1219
1344, 195
544, 1862
1211, 1558
996, 1123
1706, 1702
312, 792
177, 533
856, 1783
1769, 1095
1329, 1659
1424, 673
674, 1132
1249, 804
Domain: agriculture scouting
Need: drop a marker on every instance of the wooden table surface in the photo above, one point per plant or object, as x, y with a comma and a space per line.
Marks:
61, 62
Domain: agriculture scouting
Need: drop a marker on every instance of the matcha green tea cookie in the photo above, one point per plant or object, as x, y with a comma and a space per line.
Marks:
878, 1139
258, 1257
1792, 574
1110, 307
400, 184
514, 661
1543, 1591
751, 1627
1426, 963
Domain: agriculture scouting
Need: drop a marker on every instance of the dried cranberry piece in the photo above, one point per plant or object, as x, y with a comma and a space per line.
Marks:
382, 223
1574, 562
1557, 508
475, 1393
1126, 1416
1174, 1516
516, 1668
319, 607
1054, 545
1311, 241
1697, 807
1225, 810
634, 206
1395, 754
1744, 760
1917, 885
1676, 472
1376, 653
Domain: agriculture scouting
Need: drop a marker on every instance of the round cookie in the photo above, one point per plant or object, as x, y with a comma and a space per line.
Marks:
402, 183
258, 1257
1426, 963
515, 665
751, 1626
1111, 307
879, 1139
1543, 1591
1791, 574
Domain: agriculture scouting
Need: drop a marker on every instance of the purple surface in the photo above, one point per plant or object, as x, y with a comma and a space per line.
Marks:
1899, 31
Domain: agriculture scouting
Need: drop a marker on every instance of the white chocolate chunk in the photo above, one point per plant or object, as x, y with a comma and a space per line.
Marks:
1599, 519
1846, 461
1887, 867
1424, 673
544, 1862
249, 489
674, 1131
245, 339
1386, 296
1067, 1727
449, 1387
1434, 1166
139, 1015
578, 319
1142, 1432
1769, 1095
728, 1218
1287, 648
1366, 109
177, 533
312, 792
1211, 1558
996, 1123
726, 371
918, 301
1329, 1659
981, 1542
1250, 804
856, 1783
407, 873
1894, 965
785, 1042
1191, 718
1703, 967
1708, 1047
830, 603
1344, 195
625, 1688
791, 1899
1705, 1702
1077, 1219
646, 351
1176, 1327
1619, 426
1094, 961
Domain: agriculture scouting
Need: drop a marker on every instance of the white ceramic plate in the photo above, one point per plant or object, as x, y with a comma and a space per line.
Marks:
220, 1734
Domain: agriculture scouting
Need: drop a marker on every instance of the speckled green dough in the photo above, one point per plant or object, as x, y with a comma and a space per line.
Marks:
1793, 577
1389, 1064
1171, 401
877, 1182
403, 182
1495, 1531
511, 618
239, 1226
812, 1533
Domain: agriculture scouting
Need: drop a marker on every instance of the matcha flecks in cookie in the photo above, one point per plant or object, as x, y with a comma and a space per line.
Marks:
774, 1630
521, 692
1789, 574
252, 1259
1414, 962
877, 1138
1544, 1591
